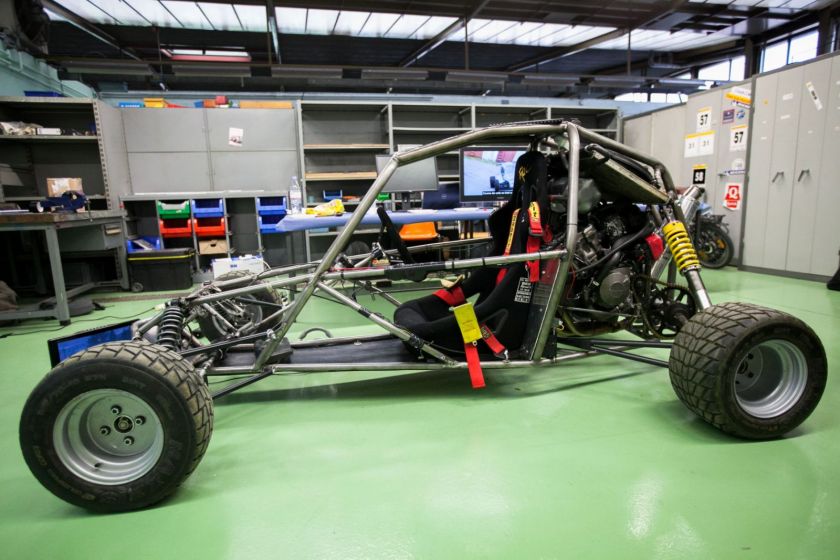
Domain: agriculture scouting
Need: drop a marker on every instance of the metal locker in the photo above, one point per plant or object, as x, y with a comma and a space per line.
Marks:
813, 89
783, 159
701, 104
637, 133
760, 169
730, 164
665, 126
826, 238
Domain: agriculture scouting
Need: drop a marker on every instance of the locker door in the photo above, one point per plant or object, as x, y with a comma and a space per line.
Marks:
731, 155
777, 227
708, 104
667, 125
806, 180
826, 240
637, 133
761, 153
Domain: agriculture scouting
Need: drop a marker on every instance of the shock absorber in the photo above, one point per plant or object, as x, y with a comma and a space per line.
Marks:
685, 257
171, 326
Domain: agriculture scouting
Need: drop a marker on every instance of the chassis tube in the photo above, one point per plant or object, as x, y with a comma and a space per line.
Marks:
400, 333
547, 322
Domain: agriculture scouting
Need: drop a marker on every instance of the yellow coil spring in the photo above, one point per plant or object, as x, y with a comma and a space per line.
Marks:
680, 245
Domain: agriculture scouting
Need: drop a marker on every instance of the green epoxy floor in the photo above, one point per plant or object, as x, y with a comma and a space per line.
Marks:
591, 459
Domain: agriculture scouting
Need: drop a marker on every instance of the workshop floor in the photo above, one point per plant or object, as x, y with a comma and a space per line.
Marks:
592, 459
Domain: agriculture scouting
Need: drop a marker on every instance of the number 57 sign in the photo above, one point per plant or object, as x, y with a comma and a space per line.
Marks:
738, 138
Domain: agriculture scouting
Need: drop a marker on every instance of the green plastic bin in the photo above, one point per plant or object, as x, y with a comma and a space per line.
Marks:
168, 210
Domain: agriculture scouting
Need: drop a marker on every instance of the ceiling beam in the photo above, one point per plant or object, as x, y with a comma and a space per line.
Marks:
438, 39
77, 21
646, 19
273, 28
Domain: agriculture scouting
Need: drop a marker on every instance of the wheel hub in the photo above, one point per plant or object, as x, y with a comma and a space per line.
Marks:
771, 378
108, 436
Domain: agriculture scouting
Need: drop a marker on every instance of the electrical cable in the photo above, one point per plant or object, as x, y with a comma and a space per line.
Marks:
38, 331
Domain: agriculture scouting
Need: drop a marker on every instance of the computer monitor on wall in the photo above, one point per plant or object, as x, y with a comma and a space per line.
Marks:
487, 173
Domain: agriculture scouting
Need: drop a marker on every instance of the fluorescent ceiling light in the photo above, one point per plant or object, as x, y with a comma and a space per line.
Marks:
393, 74
480, 77
283, 71
212, 70
547, 79
109, 68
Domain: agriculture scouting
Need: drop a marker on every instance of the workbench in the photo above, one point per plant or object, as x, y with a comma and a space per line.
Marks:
98, 230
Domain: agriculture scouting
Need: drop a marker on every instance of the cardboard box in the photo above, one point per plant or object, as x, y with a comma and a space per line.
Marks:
265, 104
212, 247
248, 263
56, 186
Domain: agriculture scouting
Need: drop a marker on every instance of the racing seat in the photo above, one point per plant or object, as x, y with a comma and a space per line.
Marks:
504, 293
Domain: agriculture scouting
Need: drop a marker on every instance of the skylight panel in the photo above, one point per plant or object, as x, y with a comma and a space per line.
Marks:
88, 11
154, 11
321, 22
291, 20
122, 12
406, 26
188, 14
433, 26
350, 23
378, 24
253, 18
221, 16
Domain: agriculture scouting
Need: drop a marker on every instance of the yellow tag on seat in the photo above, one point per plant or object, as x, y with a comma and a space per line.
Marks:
467, 322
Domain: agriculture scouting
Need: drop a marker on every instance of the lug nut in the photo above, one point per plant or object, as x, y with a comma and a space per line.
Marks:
104, 430
115, 409
139, 420
128, 440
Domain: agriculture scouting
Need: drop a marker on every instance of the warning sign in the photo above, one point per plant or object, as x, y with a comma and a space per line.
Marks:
732, 196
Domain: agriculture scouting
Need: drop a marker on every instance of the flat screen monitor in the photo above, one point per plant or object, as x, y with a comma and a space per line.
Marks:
418, 176
487, 173
65, 346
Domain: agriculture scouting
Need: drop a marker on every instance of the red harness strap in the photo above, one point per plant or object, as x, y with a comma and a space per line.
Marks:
453, 297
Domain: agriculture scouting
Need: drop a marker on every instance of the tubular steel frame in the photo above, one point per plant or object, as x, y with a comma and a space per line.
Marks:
317, 276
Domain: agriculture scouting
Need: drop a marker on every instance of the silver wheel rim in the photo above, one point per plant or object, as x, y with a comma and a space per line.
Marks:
771, 378
108, 437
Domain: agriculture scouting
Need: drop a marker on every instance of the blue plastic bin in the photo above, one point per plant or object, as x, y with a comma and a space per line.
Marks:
208, 208
131, 104
132, 245
271, 206
268, 224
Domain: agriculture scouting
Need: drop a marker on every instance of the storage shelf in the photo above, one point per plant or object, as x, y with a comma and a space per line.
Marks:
342, 176
431, 129
344, 147
448, 176
49, 138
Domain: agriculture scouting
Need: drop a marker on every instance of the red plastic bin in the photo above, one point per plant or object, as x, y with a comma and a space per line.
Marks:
209, 227
181, 227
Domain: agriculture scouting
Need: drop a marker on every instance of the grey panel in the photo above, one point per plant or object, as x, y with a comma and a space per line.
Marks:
667, 125
356, 125
760, 169
720, 176
826, 240
777, 226
270, 171
169, 173
693, 105
113, 146
164, 130
807, 173
637, 133
263, 129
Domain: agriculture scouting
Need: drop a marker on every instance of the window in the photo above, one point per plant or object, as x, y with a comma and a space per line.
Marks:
718, 72
796, 49
736, 69
803, 47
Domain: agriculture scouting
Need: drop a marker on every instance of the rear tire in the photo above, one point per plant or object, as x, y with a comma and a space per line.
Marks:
753, 372
117, 427
214, 330
714, 246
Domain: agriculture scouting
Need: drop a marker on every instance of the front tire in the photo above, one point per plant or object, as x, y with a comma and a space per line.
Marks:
117, 427
753, 372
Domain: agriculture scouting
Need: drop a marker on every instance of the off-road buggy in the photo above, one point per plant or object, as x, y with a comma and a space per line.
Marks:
590, 243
